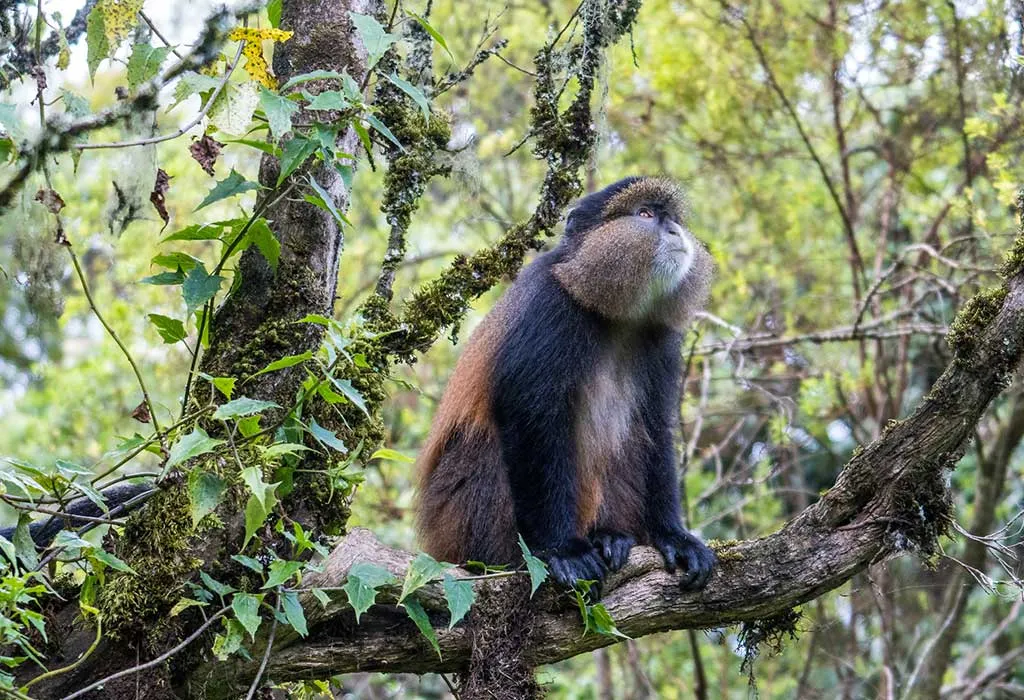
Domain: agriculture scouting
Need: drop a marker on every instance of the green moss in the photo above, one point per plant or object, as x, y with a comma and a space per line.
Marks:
725, 550
972, 319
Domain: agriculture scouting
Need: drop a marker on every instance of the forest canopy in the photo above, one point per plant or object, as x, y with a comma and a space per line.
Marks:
242, 247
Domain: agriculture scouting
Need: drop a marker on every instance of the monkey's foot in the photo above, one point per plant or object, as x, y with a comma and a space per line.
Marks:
613, 546
680, 548
575, 560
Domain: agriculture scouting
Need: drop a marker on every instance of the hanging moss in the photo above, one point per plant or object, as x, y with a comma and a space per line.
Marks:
770, 632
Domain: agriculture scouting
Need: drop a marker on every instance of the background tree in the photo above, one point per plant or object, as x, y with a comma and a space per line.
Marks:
852, 168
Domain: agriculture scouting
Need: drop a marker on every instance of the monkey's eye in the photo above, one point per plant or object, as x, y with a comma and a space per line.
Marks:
645, 213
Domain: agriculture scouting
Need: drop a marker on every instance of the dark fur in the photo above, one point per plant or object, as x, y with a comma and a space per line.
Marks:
558, 421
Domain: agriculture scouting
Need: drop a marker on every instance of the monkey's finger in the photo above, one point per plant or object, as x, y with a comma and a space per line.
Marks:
669, 554
621, 554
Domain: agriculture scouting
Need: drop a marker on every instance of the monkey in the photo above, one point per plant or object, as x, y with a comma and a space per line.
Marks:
557, 423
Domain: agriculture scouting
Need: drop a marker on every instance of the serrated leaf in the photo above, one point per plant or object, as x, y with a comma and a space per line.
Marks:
460, 596
279, 111
208, 231
599, 620
224, 645
246, 607
373, 575
264, 492
287, 361
242, 406
170, 329
66, 539
111, 561
326, 100
375, 39
69, 469
265, 240
199, 287
195, 443
281, 571
413, 92
233, 184
225, 385
233, 109
423, 569
144, 63
294, 154
434, 34
97, 46
326, 437
351, 393
419, 616
177, 261
205, 491
191, 83
537, 568
292, 609
393, 455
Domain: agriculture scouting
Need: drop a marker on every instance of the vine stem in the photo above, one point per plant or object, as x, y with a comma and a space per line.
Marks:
71, 666
117, 339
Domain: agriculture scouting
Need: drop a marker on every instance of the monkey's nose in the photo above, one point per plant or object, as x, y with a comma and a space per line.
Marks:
674, 228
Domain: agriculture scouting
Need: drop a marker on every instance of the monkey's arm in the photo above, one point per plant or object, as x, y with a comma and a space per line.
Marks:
663, 519
546, 352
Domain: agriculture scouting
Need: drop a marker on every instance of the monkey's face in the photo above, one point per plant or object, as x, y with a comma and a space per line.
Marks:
641, 264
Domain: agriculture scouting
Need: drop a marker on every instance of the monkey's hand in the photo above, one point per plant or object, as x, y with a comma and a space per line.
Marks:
613, 546
680, 548
575, 560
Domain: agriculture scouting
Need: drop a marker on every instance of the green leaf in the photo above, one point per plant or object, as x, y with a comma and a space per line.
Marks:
249, 562
292, 609
328, 99
537, 568
375, 39
11, 552
246, 607
362, 583
233, 109
460, 596
221, 589
393, 455
600, 621
351, 393
185, 604
383, 129
66, 539
205, 491
110, 560
313, 75
23, 544
191, 83
262, 146
145, 63
414, 92
283, 448
424, 568
287, 361
225, 385
435, 35
419, 616
326, 437
202, 232
195, 443
242, 406
170, 329
260, 234
325, 201
254, 517
364, 135
164, 278
233, 184
199, 287
281, 571
231, 641
320, 595
264, 492
295, 153
279, 111
177, 261
96, 42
